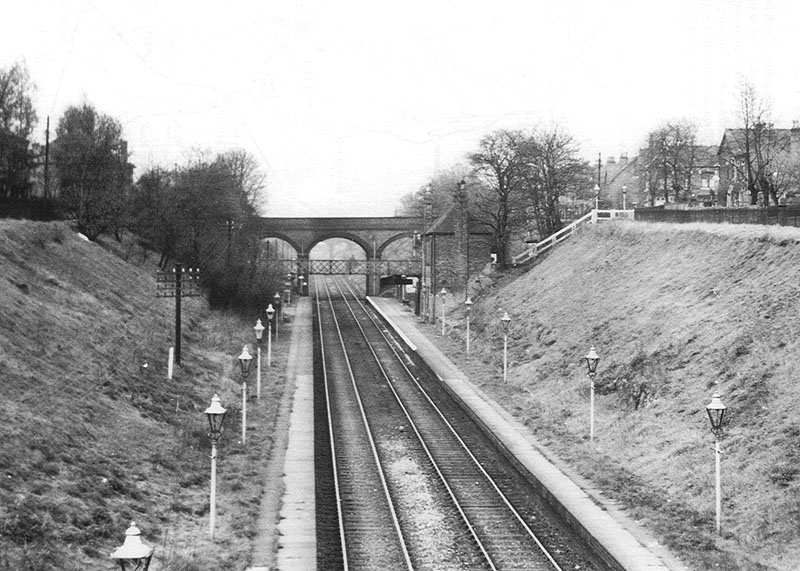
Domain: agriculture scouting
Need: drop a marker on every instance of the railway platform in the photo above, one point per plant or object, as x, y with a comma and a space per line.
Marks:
621, 539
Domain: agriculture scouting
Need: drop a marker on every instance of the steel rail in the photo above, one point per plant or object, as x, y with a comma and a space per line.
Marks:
370, 438
332, 443
414, 427
453, 431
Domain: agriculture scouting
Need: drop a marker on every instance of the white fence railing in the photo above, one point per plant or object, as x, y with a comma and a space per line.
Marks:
592, 217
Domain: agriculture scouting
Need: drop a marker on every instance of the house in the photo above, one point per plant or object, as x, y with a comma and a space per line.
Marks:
692, 181
756, 161
619, 183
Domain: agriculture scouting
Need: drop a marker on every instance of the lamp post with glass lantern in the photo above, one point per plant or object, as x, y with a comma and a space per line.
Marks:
443, 295
467, 315
505, 321
216, 416
716, 414
597, 197
133, 555
276, 301
244, 361
259, 329
270, 314
591, 364
624, 197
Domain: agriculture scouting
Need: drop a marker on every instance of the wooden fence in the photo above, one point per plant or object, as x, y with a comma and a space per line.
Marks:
771, 215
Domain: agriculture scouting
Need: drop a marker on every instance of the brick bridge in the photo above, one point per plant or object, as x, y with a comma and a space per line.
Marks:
445, 254
372, 234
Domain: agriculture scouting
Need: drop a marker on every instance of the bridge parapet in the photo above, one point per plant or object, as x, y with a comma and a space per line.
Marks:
351, 267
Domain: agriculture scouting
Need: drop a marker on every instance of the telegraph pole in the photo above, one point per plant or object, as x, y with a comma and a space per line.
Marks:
178, 283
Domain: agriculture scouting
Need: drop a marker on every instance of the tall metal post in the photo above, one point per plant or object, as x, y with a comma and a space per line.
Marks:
718, 452
591, 407
505, 357
213, 499
178, 274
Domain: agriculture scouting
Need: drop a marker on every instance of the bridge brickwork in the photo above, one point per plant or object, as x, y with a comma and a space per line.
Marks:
373, 234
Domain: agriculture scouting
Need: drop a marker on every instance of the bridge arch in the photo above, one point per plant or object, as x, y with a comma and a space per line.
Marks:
355, 238
392, 240
286, 238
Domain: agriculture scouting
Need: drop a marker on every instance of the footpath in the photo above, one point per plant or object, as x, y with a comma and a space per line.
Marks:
295, 547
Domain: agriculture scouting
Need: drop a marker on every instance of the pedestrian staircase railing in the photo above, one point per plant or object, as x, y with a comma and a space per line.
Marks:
592, 217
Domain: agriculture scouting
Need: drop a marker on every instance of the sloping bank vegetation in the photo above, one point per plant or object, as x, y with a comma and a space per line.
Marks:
94, 435
676, 314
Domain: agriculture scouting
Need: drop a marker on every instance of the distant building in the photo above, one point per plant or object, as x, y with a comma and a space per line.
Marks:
619, 183
774, 156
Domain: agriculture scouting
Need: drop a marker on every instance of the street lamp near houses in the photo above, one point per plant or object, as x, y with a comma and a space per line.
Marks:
624, 197
597, 197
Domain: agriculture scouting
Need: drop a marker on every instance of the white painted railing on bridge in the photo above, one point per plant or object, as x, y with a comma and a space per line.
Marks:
592, 217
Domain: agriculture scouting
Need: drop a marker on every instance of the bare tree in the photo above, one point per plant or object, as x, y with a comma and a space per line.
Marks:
757, 150
499, 170
247, 174
670, 157
552, 170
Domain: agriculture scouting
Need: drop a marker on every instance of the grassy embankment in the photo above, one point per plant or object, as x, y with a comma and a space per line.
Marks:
676, 314
92, 438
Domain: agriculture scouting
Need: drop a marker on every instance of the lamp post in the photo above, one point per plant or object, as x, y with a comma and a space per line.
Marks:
244, 361
716, 414
443, 295
216, 416
301, 284
276, 301
505, 321
467, 315
270, 313
259, 334
591, 364
597, 197
133, 555
624, 197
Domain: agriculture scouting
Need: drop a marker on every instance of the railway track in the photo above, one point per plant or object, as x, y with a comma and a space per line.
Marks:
408, 480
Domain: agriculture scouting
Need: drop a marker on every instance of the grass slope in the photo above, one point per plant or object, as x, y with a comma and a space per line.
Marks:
676, 314
92, 438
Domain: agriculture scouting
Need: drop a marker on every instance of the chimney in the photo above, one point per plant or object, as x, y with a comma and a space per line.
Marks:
623, 159
795, 124
611, 161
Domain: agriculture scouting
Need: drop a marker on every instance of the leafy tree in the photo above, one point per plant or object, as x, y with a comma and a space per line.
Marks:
91, 159
17, 120
17, 115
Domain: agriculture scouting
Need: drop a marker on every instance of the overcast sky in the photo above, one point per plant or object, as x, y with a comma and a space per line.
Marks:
350, 105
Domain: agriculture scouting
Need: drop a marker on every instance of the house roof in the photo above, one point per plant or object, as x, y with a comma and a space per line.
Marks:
733, 140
